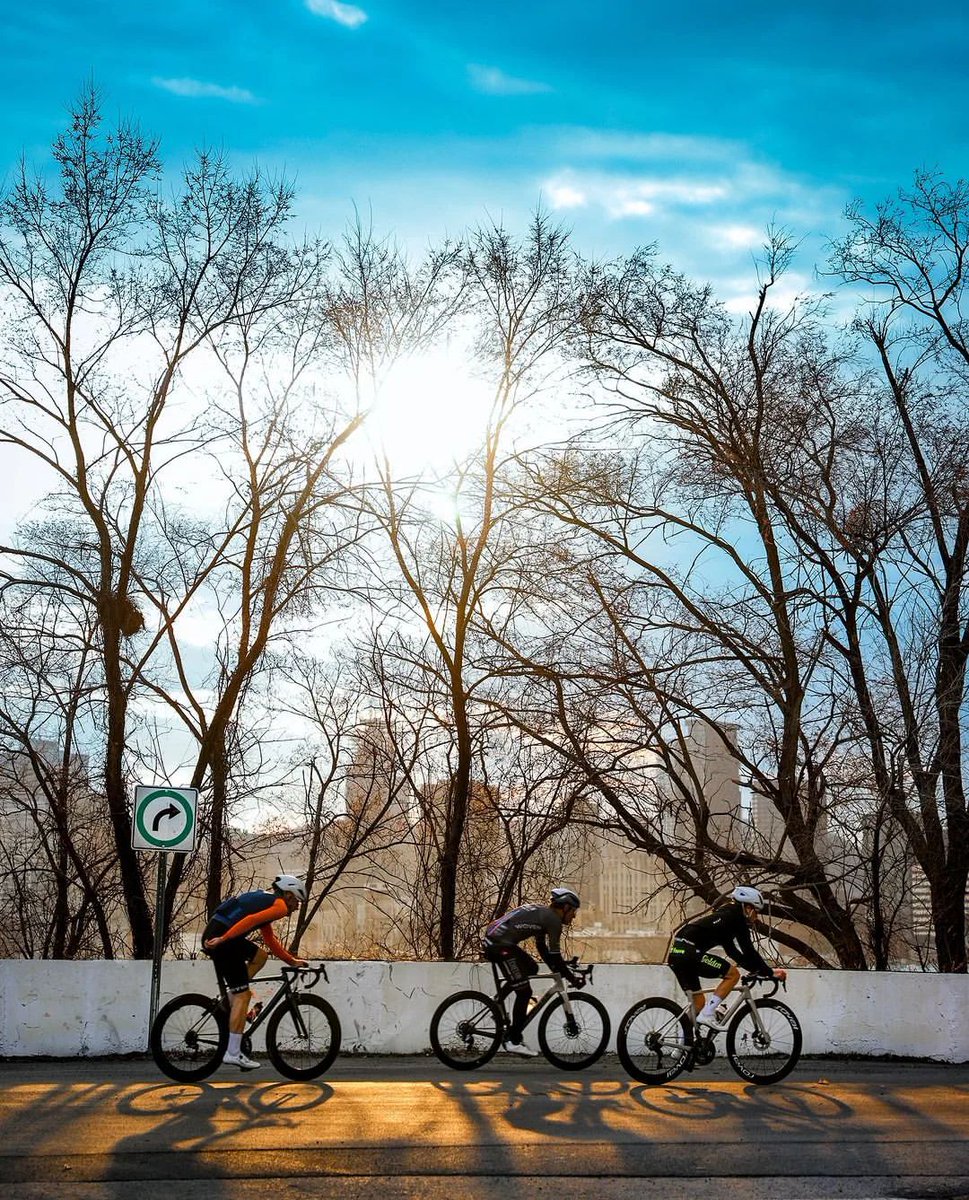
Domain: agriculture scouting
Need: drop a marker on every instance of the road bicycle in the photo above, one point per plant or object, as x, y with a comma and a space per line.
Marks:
658, 1039
190, 1034
573, 1028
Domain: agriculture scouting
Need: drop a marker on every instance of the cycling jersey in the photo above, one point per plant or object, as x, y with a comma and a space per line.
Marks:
252, 910
530, 921
726, 927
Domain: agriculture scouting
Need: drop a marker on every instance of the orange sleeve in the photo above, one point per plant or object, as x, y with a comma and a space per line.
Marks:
274, 946
274, 912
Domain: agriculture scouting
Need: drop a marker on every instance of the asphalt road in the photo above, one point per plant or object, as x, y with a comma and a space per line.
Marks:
407, 1127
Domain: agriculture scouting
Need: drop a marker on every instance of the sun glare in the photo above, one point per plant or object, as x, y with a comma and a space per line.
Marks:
430, 412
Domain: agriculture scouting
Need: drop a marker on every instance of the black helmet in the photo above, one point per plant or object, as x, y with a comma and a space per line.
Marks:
564, 895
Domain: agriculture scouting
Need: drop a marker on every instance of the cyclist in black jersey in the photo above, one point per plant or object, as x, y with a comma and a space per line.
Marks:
728, 927
502, 945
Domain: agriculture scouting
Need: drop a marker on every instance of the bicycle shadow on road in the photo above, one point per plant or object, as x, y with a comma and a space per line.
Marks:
569, 1109
205, 1124
788, 1107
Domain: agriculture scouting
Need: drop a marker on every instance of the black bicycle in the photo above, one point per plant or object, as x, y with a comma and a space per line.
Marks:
658, 1038
190, 1034
573, 1029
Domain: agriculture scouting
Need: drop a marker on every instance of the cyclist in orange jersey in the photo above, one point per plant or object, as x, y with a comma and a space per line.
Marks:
236, 959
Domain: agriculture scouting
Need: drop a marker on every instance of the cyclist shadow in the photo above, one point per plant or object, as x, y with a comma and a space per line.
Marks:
570, 1109
202, 1123
783, 1107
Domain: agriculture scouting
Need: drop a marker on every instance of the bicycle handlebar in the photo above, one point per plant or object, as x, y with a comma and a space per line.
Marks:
585, 972
748, 980
315, 972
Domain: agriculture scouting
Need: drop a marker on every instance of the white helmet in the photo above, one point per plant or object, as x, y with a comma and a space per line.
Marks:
563, 895
290, 885
748, 895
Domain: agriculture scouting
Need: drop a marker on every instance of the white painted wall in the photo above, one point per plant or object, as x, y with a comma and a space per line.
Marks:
98, 1008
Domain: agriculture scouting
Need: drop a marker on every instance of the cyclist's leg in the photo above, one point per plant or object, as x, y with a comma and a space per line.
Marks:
233, 960
258, 961
730, 974
713, 966
683, 962
517, 966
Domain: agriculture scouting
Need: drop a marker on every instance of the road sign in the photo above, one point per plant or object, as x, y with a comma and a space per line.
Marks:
164, 819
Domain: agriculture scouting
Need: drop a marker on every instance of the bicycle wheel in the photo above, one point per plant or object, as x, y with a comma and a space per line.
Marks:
655, 1040
577, 1041
764, 1057
189, 1037
303, 1037
466, 1030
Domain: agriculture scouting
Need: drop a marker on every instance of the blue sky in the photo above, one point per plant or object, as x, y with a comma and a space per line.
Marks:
634, 122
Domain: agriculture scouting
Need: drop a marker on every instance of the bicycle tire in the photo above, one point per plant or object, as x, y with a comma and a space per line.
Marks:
296, 1054
655, 1040
466, 1030
573, 1045
189, 1036
756, 1060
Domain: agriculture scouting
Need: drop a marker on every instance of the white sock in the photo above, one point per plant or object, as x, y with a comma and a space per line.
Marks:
712, 1004
235, 1043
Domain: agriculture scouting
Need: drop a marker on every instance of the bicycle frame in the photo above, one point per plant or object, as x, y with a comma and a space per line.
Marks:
505, 988
287, 978
744, 999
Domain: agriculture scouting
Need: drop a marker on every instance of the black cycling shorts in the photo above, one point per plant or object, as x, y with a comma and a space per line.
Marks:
688, 964
231, 959
516, 964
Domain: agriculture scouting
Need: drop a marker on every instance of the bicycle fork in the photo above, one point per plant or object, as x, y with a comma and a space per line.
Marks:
571, 1025
301, 1031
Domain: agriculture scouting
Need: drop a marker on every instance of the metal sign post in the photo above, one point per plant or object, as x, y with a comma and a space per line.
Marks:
156, 958
164, 821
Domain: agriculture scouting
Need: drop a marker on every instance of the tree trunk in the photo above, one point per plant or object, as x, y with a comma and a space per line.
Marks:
116, 794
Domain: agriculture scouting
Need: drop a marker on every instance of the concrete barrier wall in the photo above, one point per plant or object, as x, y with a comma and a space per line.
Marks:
99, 1008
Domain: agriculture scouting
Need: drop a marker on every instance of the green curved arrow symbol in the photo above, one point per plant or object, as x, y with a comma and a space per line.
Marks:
172, 810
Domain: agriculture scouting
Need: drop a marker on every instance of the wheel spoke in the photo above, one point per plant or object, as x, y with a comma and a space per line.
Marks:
303, 1039
764, 1050
576, 1039
466, 1030
188, 1038
654, 1041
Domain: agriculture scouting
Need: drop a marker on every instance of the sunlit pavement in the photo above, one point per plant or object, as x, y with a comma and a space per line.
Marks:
407, 1127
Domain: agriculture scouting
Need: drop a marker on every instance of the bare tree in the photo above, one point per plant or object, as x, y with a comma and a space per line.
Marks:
111, 291
451, 572
701, 612
59, 876
910, 533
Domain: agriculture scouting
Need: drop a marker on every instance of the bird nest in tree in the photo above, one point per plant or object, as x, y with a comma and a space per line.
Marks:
128, 615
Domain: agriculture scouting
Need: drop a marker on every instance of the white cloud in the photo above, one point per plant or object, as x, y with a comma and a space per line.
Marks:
563, 195
783, 296
495, 82
344, 14
742, 237
198, 89
627, 196
581, 143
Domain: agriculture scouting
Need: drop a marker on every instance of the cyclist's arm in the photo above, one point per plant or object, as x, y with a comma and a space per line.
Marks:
551, 958
549, 947
244, 925
275, 947
747, 954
